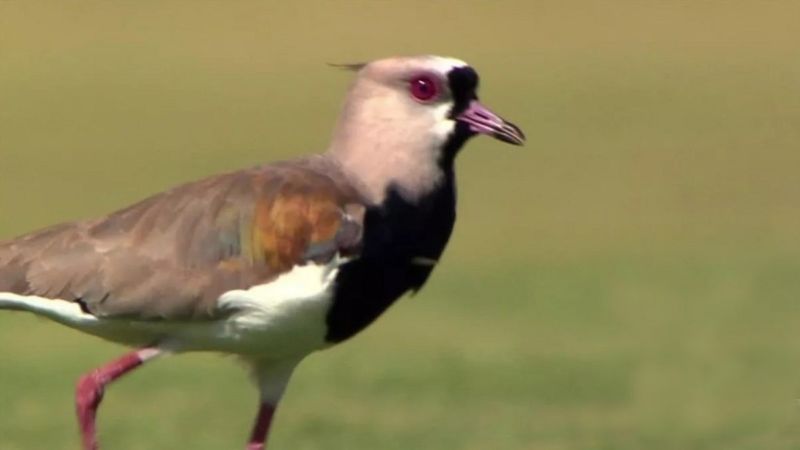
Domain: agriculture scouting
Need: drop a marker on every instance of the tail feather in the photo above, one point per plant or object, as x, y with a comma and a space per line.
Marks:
70, 314
62, 311
7, 302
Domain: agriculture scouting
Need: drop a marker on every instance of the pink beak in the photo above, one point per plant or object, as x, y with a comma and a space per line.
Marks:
481, 120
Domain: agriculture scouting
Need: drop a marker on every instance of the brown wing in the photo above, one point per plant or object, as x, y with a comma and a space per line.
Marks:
172, 255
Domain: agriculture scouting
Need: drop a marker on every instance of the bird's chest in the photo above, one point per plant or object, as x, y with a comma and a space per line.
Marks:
402, 242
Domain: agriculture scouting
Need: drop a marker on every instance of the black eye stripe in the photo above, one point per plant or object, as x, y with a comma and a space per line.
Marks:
463, 83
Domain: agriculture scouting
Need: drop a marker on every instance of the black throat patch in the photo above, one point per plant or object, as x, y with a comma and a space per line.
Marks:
402, 241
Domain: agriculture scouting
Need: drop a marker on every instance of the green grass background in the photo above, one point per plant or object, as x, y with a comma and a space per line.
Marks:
628, 280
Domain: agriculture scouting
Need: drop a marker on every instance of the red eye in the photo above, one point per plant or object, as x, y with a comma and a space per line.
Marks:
423, 88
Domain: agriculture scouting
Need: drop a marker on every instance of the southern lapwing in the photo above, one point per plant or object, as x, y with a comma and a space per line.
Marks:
274, 262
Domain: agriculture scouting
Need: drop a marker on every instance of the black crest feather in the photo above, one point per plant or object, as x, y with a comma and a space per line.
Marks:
355, 67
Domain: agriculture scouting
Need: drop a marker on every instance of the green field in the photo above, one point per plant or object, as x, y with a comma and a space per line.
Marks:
628, 280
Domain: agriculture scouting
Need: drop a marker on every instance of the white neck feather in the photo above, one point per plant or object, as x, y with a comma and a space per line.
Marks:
383, 155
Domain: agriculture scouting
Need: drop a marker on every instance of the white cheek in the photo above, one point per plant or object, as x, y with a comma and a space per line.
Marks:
444, 126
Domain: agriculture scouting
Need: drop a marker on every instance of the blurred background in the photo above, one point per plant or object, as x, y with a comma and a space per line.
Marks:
627, 280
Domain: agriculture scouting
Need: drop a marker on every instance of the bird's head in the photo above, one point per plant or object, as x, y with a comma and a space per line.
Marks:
404, 120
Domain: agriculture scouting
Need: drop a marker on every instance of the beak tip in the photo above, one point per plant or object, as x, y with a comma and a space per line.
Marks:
515, 140
511, 134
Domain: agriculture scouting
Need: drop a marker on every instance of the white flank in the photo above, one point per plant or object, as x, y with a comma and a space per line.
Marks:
285, 316
281, 319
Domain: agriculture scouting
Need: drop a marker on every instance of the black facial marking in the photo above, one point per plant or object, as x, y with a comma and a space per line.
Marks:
461, 133
395, 234
463, 83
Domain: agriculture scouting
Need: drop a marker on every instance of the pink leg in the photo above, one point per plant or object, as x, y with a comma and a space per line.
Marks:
261, 428
91, 386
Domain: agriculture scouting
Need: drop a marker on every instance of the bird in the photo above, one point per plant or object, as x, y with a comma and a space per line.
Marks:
274, 262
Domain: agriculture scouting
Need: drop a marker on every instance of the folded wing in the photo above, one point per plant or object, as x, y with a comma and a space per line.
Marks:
171, 256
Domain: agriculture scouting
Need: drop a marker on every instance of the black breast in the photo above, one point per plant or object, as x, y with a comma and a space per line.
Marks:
395, 233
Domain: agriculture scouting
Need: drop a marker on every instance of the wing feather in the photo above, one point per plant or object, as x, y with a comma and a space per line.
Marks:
171, 256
